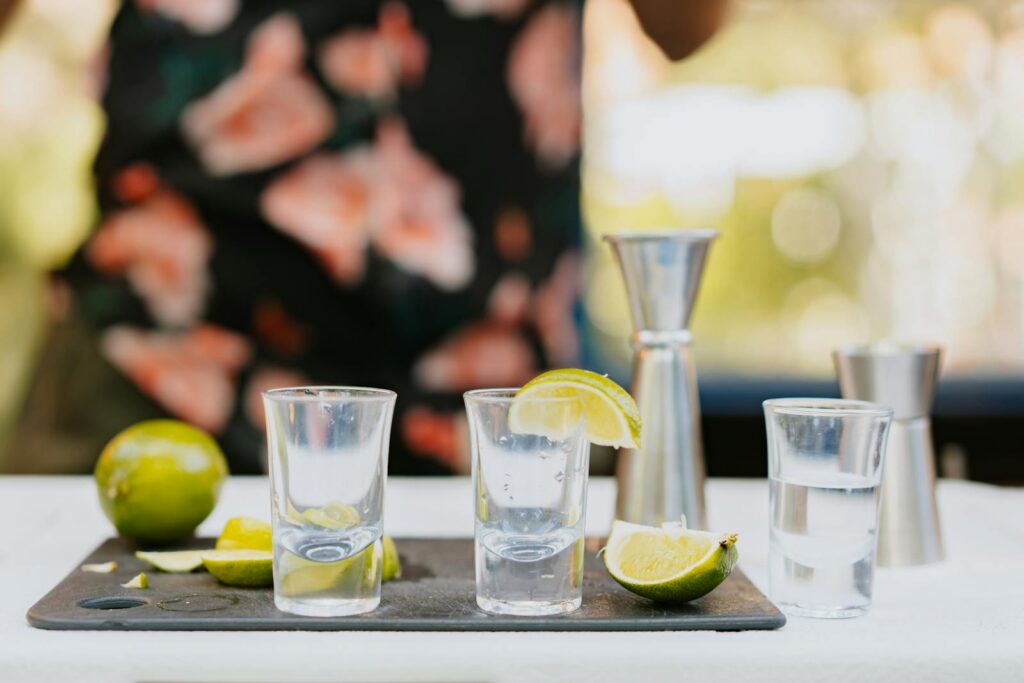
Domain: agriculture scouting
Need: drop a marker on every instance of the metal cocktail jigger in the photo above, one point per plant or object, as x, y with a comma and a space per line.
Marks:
664, 477
902, 377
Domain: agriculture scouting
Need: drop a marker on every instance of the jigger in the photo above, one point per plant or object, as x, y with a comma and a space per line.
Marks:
902, 377
664, 478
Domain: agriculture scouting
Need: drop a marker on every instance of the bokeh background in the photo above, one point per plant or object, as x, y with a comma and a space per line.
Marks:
864, 162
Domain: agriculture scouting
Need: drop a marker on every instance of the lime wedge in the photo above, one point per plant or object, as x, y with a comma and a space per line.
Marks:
174, 562
299, 577
101, 567
334, 515
611, 417
240, 567
669, 564
392, 566
245, 533
140, 580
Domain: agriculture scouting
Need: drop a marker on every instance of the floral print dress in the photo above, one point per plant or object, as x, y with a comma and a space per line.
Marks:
358, 192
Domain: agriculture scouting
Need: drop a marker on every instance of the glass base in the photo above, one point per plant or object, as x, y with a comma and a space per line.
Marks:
326, 607
822, 611
529, 608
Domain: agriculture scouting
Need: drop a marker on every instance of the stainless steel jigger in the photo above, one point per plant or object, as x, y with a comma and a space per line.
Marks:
902, 377
664, 478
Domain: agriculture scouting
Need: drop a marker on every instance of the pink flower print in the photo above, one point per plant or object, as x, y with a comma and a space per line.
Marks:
503, 9
417, 222
510, 299
543, 76
387, 194
374, 62
190, 374
267, 113
264, 378
441, 436
553, 312
162, 248
480, 355
324, 204
199, 16
513, 236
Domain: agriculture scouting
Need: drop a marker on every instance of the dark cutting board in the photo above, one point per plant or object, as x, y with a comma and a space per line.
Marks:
435, 593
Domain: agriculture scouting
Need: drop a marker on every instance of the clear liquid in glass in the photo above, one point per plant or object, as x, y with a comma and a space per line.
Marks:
823, 543
327, 572
530, 562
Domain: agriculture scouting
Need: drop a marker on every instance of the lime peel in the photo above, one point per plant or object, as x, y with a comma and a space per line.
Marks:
391, 566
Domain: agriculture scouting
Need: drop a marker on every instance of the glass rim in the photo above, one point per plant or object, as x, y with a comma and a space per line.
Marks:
508, 394
314, 394
821, 407
682, 234
887, 349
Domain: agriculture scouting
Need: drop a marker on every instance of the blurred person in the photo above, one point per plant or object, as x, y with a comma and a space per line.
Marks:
320, 192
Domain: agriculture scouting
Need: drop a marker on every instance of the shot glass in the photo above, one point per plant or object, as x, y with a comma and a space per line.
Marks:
825, 459
531, 496
328, 457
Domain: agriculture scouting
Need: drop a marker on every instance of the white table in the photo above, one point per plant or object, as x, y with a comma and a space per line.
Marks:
961, 621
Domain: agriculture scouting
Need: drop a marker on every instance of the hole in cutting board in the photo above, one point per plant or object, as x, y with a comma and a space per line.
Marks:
111, 602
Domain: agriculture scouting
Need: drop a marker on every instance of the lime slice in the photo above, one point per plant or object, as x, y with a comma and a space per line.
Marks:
610, 413
391, 567
669, 564
299, 577
245, 533
240, 567
334, 515
101, 567
140, 580
175, 562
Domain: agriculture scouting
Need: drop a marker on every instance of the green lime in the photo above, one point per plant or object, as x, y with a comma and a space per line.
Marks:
140, 580
245, 533
173, 562
669, 564
253, 568
158, 480
391, 566
610, 413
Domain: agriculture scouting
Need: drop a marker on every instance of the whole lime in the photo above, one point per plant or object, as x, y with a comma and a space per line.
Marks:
158, 480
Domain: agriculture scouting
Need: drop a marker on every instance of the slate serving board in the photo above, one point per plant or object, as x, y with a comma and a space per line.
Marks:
435, 593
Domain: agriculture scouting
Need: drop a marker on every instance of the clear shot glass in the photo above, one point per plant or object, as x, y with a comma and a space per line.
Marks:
328, 456
531, 495
825, 459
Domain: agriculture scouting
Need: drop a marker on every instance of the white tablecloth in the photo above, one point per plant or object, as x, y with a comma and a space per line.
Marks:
961, 621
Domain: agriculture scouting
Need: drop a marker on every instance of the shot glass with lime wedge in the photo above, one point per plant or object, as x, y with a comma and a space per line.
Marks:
530, 452
328, 451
